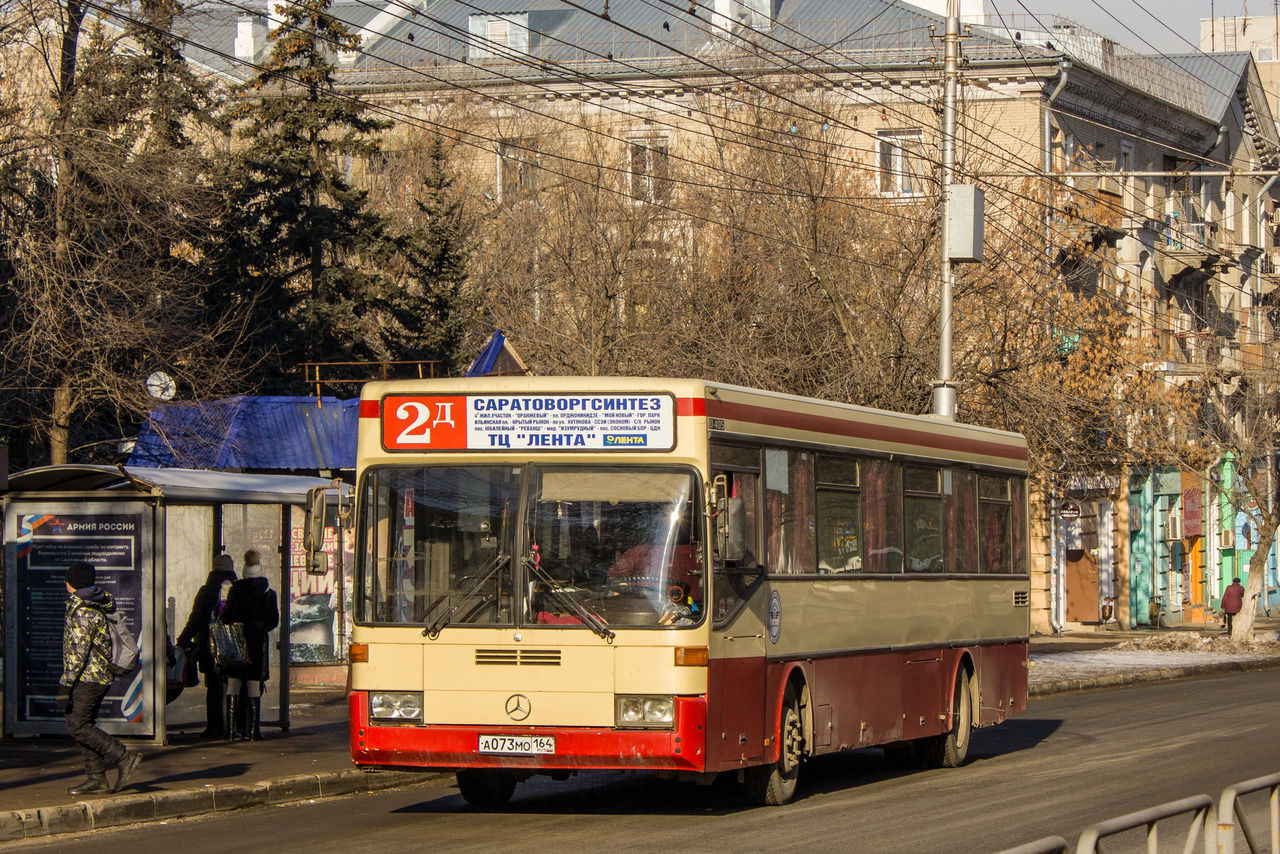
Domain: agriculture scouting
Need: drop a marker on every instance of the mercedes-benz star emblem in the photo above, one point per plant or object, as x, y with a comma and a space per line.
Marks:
518, 707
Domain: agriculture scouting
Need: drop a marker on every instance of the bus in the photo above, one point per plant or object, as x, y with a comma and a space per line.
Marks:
556, 574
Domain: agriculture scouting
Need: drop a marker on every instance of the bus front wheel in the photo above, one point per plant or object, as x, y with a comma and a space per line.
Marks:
950, 749
485, 788
775, 784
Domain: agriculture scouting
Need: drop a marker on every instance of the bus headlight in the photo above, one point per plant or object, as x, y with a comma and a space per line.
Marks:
653, 712
399, 706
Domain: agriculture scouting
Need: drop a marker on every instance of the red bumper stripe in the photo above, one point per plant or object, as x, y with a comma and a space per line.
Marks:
576, 747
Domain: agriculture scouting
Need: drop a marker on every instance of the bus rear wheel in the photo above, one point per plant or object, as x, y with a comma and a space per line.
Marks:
950, 749
486, 788
775, 784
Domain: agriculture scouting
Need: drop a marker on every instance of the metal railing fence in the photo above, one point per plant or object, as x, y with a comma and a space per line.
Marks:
1213, 826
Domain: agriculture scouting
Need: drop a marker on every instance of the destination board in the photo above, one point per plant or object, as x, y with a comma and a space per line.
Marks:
528, 422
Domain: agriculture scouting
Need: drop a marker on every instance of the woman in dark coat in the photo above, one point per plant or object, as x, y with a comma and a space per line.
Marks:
252, 603
195, 640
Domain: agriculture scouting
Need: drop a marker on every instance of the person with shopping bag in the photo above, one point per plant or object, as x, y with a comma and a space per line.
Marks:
195, 640
252, 611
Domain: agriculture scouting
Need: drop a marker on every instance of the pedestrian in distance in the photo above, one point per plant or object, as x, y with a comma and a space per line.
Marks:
86, 678
251, 603
1232, 602
195, 640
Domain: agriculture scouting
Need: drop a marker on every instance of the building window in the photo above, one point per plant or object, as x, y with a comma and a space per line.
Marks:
649, 170
517, 170
498, 37
901, 155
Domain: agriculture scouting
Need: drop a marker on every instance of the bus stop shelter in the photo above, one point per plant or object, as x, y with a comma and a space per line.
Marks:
152, 534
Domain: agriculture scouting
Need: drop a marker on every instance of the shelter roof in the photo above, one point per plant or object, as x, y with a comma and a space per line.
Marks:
182, 486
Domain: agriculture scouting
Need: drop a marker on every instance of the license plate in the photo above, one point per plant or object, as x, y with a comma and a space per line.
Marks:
518, 745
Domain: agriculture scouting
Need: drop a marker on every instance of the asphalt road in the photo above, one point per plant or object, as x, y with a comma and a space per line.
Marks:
1068, 762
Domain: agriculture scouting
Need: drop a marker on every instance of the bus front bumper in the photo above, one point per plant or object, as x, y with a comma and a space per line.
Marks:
576, 748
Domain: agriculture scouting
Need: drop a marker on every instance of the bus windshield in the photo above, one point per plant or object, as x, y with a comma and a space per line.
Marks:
619, 547
602, 548
436, 545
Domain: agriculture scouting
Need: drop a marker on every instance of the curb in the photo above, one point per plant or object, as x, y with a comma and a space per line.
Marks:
1159, 674
124, 810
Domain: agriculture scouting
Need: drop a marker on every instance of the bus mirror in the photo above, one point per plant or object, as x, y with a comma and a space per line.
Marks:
733, 530
317, 563
313, 530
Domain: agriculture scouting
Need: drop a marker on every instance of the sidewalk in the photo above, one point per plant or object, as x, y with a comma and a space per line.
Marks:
1086, 658
192, 776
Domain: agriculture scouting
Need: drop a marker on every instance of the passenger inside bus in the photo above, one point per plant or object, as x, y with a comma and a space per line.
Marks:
675, 590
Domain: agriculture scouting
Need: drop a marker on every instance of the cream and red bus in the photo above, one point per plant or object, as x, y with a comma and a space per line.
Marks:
568, 573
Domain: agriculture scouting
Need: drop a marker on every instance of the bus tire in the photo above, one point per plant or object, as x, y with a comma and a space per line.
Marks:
775, 784
950, 749
486, 788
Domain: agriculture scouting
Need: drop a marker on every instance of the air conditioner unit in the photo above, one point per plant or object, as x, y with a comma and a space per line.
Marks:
1227, 539
1174, 530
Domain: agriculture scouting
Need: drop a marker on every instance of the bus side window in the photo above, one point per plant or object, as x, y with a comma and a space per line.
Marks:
882, 516
962, 521
839, 509
789, 513
995, 519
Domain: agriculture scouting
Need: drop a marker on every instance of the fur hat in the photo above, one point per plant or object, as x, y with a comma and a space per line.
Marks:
80, 575
252, 564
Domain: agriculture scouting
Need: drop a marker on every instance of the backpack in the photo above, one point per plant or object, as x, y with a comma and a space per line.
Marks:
124, 646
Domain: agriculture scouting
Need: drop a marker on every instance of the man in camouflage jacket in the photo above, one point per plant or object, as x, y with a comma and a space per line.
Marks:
86, 678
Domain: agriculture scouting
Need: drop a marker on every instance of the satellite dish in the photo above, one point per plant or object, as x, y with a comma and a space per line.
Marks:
161, 386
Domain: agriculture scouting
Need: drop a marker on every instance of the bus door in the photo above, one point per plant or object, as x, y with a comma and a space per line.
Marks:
736, 673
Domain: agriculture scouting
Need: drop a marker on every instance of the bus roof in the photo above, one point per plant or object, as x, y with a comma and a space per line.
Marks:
736, 412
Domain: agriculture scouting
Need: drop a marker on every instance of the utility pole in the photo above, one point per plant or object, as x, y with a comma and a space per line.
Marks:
944, 390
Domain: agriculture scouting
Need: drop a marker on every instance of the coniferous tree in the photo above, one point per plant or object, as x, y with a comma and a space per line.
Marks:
426, 314
306, 251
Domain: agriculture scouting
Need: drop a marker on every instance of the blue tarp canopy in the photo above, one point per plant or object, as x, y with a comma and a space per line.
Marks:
498, 358
244, 432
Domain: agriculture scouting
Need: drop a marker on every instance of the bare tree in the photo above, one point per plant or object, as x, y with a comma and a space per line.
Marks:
103, 207
567, 266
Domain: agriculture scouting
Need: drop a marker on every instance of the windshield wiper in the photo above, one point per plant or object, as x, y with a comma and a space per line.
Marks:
499, 561
579, 610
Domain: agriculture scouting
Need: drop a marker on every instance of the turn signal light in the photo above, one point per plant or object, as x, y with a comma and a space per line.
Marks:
691, 656
358, 653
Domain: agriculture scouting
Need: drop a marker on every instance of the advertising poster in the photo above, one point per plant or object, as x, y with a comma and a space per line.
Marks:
47, 545
319, 605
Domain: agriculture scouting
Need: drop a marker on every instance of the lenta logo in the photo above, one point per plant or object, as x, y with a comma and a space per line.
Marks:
424, 422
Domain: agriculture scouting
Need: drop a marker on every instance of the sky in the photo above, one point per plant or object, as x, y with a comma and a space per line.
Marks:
1153, 26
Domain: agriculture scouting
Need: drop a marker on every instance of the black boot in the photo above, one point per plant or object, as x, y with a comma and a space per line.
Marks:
94, 784
255, 719
232, 721
126, 766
